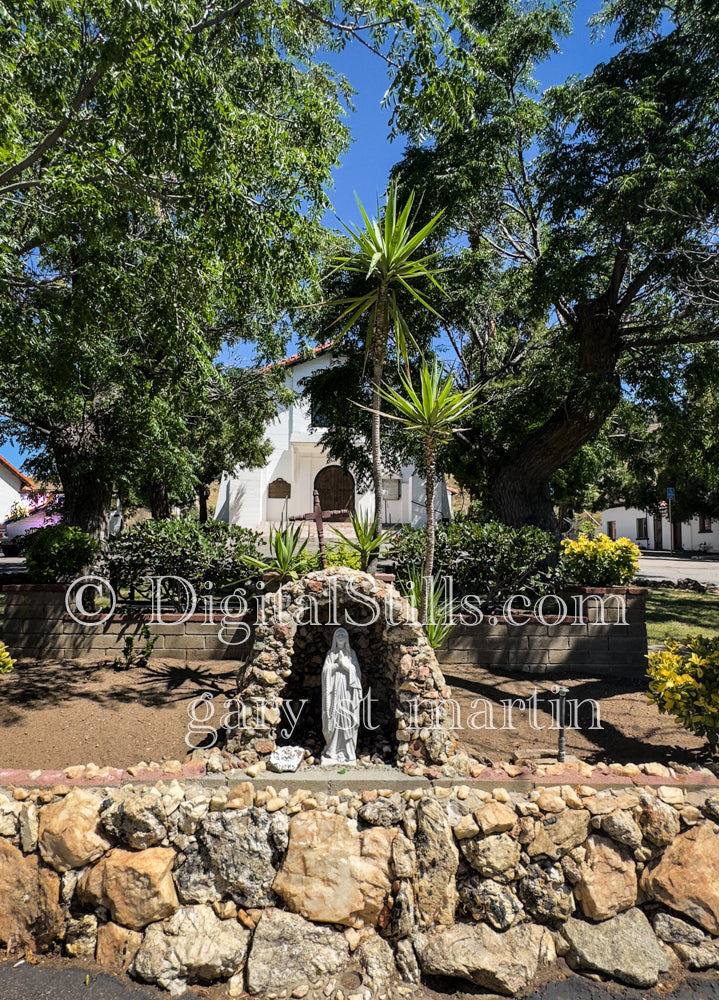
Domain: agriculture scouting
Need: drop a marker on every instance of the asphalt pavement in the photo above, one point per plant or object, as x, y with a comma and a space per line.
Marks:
48, 982
662, 566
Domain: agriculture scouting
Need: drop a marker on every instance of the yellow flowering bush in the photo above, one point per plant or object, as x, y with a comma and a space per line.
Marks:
684, 682
599, 562
6, 661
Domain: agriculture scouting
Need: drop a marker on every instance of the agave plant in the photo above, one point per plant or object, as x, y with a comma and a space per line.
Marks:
385, 253
367, 543
439, 620
286, 549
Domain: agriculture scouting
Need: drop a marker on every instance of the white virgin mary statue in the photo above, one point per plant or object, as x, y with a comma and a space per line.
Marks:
341, 700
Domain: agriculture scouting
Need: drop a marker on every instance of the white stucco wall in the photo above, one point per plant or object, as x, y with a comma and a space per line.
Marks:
297, 457
626, 522
9, 491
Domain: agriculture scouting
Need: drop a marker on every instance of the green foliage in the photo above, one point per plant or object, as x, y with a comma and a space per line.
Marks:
58, 553
588, 210
342, 554
668, 440
6, 661
436, 410
433, 413
491, 561
338, 554
163, 174
214, 552
287, 552
684, 682
587, 527
132, 657
367, 543
384, 254
599, 562
439, 621
287, 548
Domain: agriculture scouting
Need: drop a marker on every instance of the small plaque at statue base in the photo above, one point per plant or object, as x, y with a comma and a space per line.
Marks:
285, 759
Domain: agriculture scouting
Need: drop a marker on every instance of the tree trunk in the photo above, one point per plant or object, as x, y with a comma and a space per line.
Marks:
519, 502
159, 500
203, 494
87, 498
520, 481
429, 484
379, 349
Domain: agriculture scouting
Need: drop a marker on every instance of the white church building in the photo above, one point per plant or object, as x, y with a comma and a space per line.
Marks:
298, 465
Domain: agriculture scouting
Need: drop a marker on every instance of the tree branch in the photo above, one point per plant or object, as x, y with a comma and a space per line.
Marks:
223, 15
689, 338
635, 285
59, 131
25, 423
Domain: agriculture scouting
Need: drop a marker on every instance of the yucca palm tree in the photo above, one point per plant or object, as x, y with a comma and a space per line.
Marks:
435, 411
384, 253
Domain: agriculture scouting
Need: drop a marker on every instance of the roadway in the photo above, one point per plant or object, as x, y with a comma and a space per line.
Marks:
48, 982
662, 566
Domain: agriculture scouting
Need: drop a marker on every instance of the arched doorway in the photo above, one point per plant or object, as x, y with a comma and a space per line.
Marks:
336, 489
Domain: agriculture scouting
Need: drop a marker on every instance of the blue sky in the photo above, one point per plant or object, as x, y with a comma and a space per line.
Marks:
366, 165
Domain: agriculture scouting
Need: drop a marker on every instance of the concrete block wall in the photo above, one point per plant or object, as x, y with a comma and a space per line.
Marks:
37, 624
578, 645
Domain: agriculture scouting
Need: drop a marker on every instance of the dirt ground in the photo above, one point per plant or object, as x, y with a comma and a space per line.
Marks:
615, 721
53, 714
56, 714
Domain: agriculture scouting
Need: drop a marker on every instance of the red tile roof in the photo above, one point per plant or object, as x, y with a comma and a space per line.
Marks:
23, 478
296, 359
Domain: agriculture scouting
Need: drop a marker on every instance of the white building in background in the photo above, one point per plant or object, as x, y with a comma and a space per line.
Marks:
298, 465
14, 487
653, 531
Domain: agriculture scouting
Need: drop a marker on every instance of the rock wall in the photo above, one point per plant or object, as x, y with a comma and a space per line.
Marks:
400, 673
349, 896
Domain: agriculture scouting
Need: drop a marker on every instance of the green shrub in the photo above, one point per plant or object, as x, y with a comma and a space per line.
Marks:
214, 552
338, 554
599, 562
366, 544
131, 656
343, 554
308, 562
490, 560
287, 551
58, 553
684, 682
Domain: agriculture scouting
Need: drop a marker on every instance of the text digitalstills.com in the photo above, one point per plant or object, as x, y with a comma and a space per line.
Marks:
231, 611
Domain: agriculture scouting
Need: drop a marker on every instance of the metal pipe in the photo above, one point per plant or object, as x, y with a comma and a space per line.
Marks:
562, 749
